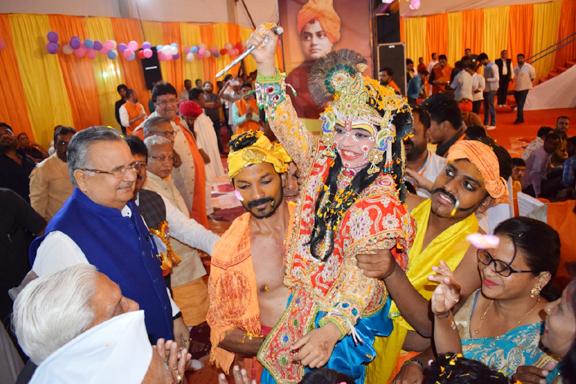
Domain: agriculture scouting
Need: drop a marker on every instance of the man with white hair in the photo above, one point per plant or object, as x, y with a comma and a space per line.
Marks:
100, 225
188, 287
77, 326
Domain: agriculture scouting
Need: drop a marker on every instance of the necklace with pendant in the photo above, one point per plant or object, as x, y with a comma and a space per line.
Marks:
476, 331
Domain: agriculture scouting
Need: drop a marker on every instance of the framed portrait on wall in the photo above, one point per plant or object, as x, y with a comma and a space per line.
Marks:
314, 28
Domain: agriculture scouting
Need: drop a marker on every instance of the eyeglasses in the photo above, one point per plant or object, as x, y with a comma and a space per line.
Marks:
118, 172
163, 158
139, 165
500, 267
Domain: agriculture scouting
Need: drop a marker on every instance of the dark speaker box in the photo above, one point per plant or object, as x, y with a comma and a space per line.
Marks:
388, 27
151, 69
393, 56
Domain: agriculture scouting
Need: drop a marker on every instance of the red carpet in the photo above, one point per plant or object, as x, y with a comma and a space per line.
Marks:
515, 137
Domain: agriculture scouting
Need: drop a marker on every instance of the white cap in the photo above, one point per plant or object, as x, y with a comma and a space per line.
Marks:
116, 351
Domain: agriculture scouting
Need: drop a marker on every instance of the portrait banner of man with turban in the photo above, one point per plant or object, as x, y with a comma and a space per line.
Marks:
314, 28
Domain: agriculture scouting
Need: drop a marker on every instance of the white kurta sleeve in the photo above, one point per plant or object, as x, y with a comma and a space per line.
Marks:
57, 252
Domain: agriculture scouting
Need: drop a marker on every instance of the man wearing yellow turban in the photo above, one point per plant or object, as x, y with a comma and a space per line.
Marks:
318, 25
246, 289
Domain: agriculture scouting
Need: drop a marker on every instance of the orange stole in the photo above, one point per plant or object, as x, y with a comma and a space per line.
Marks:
232, 290
199, 200
248, 125
133, 111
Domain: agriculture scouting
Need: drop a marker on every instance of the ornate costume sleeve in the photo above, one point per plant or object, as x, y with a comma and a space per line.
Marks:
376, 224
296, 139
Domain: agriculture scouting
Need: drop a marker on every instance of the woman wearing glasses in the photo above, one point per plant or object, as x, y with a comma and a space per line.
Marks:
500, 324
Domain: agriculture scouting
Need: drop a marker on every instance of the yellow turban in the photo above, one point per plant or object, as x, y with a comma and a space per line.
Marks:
486, 161
261, 151
323, 11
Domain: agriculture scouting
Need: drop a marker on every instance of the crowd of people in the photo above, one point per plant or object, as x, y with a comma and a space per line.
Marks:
475, 81
374, 252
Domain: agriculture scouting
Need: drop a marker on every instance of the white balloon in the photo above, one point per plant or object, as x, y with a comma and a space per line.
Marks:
189, 56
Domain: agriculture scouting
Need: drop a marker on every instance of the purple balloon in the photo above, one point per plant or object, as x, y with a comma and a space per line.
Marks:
122, 47
112, 54
52, 37
176, 56
97, 45
52, 47
75, 42
146, 45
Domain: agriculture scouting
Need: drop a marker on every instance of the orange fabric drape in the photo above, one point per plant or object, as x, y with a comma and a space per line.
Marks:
520, 30
78, 74
174, 72
13, 109
126, 30
210, 68
402, 29
473, 30
437, 26
567, 27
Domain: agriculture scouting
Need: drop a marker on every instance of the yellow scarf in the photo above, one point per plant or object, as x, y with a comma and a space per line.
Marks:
450, 246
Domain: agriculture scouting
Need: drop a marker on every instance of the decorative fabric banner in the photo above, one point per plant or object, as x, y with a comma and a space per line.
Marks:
496, 36
13, 108
106, 72
41, 74
78, 74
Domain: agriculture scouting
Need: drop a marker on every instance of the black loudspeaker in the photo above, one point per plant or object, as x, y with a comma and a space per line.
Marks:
393, 56
151, 68
387, 27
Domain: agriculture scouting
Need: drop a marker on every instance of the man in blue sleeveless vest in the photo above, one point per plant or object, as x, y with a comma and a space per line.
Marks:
100, 225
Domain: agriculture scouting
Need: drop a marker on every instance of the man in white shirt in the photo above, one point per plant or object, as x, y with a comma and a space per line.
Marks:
478, 86
432, 62
189, 289
492, 81
50, 183
100, 225
462, 83
422, 165
525, 74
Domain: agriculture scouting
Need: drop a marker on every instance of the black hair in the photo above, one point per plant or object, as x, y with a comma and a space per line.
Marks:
544, 131
423, 115
504, 161
326, 376
442, 57
409, 61
243, 140
228, 77
161, 89
520, 55
518, 162
450, 368
539, 242
195, 93
443, 107
552, 136
475, 132
121, 86
129, 92
388, 70
7, 126
137, 146
62, 130
459, 64
247, 84
483, 56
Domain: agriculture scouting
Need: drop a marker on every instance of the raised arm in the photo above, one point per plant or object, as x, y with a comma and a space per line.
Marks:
271, 94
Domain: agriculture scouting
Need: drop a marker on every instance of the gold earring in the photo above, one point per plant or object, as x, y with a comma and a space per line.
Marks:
535, 292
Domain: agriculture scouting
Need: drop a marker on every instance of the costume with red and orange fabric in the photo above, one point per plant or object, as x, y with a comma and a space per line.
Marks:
442, 75
242, 108
333, 223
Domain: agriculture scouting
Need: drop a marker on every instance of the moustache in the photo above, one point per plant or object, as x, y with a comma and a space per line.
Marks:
255, 203
452, 198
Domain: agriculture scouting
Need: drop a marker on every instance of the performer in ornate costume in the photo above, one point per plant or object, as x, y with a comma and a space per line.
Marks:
351, 204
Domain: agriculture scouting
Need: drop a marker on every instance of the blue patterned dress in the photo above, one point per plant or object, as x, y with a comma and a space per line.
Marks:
505, 353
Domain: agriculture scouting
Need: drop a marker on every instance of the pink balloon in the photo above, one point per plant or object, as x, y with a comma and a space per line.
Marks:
91, 54
207, 54
148, 53
201, 51
80, 52
67, 49
127, 53
133, 45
